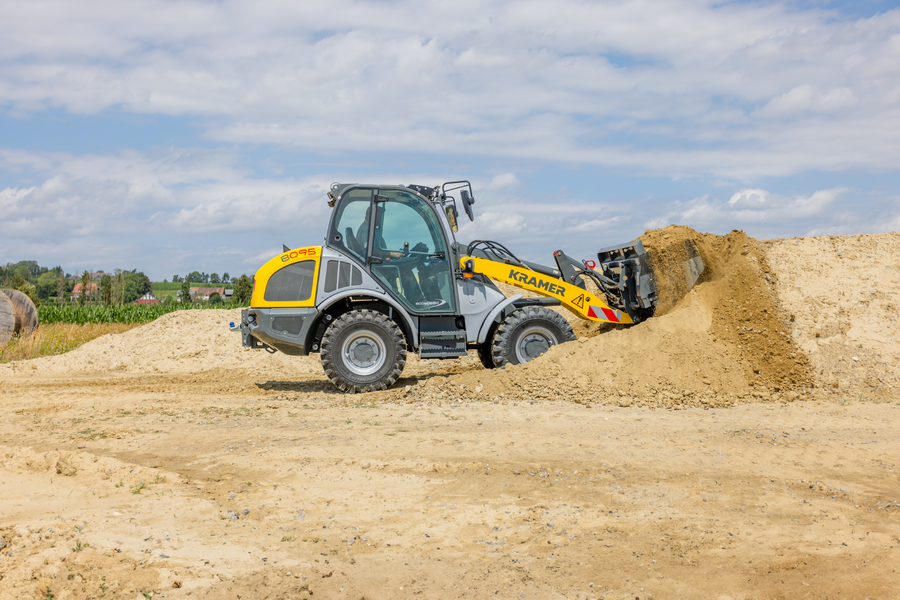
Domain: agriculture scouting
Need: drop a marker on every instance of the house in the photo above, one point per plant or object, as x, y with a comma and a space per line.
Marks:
205, 293
147, 298
92, 290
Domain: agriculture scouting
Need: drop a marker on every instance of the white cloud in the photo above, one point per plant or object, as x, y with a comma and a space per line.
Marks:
155, 210
503, 181
752, 199
761, 212
750, 89
805, 98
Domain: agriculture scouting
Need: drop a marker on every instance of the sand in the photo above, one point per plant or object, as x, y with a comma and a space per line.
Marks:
727, 340
743, 443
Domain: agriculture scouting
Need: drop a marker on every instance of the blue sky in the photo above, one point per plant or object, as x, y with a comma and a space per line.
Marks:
180, 136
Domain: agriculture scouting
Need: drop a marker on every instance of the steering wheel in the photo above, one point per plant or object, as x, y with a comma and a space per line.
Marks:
407, 260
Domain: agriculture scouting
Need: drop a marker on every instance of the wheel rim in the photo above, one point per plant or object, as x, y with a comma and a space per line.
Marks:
533, 342
364, 352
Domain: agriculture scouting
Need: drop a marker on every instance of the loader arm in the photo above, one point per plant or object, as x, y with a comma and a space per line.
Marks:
577, 300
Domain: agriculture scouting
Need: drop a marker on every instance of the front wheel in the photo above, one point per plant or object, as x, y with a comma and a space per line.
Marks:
527, 333
484, 355
363, 351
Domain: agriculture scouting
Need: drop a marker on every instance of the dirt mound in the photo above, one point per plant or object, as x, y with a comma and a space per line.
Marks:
178, 342
739, 288
727, 338
842, 294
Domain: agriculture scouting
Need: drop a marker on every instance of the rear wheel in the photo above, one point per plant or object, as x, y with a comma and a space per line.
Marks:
363, 351
527, 333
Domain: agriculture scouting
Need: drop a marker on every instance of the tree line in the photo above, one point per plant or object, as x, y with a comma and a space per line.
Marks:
53, 285
198, 277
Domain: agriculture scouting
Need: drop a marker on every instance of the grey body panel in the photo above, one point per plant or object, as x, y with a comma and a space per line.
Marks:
285, 329
492, 316
367, 281
477, 302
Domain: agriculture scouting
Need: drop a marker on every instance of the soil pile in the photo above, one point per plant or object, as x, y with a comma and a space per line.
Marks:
843, 296
727, 338
179, 342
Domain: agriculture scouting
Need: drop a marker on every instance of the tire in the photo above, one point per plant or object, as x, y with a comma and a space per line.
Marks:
484, 355
527, 333
363, 351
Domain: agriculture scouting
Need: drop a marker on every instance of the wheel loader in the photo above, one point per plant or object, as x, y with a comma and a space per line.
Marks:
391, 279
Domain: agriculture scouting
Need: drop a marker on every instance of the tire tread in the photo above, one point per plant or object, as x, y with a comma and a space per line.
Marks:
369, 317
503, 346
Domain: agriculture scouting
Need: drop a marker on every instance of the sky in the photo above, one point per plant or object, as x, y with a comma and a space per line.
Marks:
189, 135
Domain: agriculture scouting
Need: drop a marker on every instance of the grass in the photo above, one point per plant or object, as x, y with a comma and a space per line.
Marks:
56, 338
122, 313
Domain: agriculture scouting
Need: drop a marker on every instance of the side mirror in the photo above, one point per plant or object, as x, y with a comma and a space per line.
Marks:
467, 202
451, 217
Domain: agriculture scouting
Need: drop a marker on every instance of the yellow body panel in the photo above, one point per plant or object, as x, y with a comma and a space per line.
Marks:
582, 303
284, 259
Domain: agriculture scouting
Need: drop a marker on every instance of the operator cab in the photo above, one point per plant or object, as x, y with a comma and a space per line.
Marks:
397, 234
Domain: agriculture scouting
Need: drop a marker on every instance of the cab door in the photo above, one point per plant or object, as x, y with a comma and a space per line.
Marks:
407, 252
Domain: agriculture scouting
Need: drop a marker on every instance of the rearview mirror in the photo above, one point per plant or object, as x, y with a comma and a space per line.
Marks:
467, 202
451, 217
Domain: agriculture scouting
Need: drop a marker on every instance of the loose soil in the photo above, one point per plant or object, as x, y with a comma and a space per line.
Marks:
727, 340
743, 444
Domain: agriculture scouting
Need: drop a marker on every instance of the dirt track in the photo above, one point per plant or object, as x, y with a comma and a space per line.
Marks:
127, 466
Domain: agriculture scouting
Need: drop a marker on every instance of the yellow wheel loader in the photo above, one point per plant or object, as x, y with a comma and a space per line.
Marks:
392, 279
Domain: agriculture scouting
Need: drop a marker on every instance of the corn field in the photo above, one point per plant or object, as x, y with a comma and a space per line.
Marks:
122, 313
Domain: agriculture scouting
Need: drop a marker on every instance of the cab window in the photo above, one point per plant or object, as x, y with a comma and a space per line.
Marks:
351, 224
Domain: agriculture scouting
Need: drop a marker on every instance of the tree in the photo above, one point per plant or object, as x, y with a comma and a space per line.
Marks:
215, 300
185, 292
106, 290
47, 284
226, 278
195, 277
214, 278
136, 285
176, 279
23, 271
243, 289
118, 286
85, 283
62, 286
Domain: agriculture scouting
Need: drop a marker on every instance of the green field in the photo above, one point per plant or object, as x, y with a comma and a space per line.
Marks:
125, 313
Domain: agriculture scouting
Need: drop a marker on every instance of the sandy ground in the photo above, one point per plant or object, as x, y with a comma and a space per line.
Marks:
167, 462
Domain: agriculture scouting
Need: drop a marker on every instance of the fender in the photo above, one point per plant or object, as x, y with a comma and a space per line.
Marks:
489, 320
407, 318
